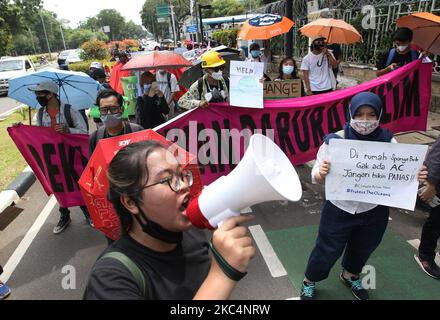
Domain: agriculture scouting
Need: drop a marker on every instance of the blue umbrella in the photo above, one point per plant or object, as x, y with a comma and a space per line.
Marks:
75, 88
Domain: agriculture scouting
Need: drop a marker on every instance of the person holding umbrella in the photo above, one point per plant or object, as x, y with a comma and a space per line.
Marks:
318, 67
212, 87
152, 106
63, 119
400, 55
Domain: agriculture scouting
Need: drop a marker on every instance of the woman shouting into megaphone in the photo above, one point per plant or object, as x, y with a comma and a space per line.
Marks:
160, 256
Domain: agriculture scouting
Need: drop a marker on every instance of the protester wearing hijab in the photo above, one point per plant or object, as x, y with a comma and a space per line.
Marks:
357, 227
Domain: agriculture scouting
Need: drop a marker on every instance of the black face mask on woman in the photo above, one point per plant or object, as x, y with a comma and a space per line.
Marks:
157, 231
43, 101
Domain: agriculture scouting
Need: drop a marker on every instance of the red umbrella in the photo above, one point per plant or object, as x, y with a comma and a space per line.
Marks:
157, 60
94, 183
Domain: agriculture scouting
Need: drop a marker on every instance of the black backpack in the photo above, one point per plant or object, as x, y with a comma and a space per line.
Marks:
67, 115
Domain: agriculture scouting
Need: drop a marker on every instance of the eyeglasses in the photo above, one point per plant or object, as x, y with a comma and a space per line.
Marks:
217, 69
113, 110
175, 179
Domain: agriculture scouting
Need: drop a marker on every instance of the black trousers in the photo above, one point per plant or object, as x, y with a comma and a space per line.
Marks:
359, 234
1, 270
430, 235
66, 211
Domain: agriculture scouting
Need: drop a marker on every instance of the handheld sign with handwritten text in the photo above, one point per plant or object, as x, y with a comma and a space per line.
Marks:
245, 87
282, 89
374, 172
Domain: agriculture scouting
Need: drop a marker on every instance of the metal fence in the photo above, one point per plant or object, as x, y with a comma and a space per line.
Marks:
376, 42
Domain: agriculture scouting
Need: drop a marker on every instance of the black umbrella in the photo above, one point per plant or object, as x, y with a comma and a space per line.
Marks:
194, 73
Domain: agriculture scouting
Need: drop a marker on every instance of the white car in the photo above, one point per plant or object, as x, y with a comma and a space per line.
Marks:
12, 67
69, 56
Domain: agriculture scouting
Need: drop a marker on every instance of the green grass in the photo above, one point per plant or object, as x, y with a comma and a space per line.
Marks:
12, 162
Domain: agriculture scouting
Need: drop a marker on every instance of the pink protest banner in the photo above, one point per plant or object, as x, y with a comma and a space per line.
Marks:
57, 160
299, 124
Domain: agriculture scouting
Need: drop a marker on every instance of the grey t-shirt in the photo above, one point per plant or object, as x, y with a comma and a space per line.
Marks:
175, 275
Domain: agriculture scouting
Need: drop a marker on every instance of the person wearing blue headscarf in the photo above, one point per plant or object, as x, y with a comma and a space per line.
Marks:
357, 227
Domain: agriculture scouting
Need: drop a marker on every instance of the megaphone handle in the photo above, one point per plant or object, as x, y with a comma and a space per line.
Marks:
229, 270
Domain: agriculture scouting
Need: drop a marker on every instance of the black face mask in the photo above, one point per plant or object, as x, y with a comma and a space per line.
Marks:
318, 47
157, 231
43, 101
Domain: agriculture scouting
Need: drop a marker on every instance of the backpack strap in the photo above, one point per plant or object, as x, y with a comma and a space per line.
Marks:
169, 80
390, 58
40, 116
414, 55
200, 87
129, 128
132, 267
68, 115
100, 134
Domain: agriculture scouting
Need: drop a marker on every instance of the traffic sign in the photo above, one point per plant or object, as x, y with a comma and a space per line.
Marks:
192, 28
162, 11
161, 20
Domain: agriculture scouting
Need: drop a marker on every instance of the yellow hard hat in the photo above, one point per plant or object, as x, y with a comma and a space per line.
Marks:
212, 59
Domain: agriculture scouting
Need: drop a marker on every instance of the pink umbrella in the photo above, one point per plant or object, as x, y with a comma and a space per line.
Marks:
157, 60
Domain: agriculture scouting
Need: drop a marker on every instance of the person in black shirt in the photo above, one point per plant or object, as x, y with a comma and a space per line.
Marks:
160, 256
111, 109
152, 106
109, 101
398, 56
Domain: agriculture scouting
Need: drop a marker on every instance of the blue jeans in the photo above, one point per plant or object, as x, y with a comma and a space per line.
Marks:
359, 234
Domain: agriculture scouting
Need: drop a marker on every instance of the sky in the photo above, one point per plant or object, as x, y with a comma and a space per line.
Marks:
78, 10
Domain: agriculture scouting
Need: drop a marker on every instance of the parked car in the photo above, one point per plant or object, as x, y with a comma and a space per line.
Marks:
69, 56
12, 67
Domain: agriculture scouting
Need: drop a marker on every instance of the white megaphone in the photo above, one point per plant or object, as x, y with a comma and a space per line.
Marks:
264, 174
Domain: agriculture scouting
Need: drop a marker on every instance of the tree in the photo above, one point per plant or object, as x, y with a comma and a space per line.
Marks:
224, 8
113, 19
14, 16
181, 9
94, 50
132, 30
78, 36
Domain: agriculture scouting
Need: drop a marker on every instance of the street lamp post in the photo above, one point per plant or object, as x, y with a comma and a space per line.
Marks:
62, 36
201, 20
45, 34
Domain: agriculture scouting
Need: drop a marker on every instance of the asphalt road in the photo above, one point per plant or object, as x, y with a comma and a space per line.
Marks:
40, 272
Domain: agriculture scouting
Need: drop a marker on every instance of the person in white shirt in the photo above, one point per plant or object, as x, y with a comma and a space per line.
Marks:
256, 55
318, 67
169, 87
353, 226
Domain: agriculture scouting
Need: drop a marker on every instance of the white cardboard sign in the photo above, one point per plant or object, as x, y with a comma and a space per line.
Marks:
246, 90
374, 172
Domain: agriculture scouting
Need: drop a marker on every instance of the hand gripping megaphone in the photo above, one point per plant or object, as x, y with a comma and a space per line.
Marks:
264, 174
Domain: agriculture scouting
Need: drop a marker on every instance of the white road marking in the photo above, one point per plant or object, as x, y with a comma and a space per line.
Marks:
24, 245
294, 298
273, 263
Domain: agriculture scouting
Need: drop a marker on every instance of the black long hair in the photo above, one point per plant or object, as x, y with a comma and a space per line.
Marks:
128, 173
280, 68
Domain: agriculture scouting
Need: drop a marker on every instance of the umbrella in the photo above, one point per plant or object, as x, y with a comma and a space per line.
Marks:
334, 30
75, 88
157, 60
264, 27
94, 182
191, 75
426, 29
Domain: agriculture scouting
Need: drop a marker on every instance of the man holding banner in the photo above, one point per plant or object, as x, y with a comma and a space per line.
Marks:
353, 226
63, 120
